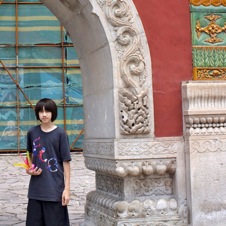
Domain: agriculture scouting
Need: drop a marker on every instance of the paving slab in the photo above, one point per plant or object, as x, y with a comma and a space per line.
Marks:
14, 185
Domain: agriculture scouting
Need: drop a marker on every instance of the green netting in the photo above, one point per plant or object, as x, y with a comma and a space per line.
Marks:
71, 57
19, 1
10, 131
40, 83
25, 1
40, 56
7, 24
74, 124
13, 135
46, 77
74, 87
37, 25
8, 1
67, 38
5, 80
8, 56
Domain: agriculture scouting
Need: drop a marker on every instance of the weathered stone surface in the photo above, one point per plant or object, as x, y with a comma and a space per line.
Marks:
204, 109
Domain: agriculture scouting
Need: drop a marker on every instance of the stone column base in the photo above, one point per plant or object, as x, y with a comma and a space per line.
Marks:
104, 210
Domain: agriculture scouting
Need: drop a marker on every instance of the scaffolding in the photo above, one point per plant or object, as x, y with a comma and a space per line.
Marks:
37, 60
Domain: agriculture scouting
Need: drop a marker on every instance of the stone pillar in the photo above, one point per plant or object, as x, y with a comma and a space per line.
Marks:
204, 110
138, 182
139, 179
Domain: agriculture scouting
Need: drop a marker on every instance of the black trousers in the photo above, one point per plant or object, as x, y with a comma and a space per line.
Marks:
43, 213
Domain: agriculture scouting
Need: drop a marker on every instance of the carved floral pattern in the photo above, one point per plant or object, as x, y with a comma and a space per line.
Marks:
109, 184
140, 188
133, 98
132, 149
153, 186
147, 148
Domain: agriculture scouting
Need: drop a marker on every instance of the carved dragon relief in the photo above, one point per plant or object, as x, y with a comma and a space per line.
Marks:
133, 97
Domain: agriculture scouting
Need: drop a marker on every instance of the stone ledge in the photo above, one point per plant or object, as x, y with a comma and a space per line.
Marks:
133, 148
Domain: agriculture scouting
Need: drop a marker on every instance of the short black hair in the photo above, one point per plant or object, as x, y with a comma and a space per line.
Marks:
49, 105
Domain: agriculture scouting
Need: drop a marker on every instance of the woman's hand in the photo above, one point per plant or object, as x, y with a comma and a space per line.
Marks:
34, 171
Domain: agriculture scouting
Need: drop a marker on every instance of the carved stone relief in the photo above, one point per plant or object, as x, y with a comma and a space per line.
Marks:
205, 124
147, 148
159, 186
148, 212
123, 168
204, 107
154, 166
140, 188
136, 178
207, 146
149, 207
133, 97
132, 148
109, 184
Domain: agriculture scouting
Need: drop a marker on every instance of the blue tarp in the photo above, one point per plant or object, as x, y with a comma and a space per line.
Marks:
38, 71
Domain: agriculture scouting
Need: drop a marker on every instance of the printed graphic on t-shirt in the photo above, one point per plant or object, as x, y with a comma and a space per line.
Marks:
52, 165
39, 153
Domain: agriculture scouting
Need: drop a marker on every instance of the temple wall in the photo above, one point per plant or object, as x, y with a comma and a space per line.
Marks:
168, 30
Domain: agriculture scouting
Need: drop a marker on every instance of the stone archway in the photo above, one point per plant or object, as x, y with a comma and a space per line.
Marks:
135, 173
115, 62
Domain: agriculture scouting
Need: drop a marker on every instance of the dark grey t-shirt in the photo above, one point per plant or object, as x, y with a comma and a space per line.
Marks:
50, 150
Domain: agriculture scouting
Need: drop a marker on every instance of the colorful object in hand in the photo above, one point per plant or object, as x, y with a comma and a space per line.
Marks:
26, 162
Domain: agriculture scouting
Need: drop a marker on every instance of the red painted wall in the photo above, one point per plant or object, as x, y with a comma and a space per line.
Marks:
167, 27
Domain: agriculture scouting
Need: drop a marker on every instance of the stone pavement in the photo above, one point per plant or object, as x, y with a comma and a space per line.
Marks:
14, 185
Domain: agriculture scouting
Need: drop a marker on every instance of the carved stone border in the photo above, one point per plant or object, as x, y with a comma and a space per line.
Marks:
134, 96
133, 149
135, 168
198, 146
